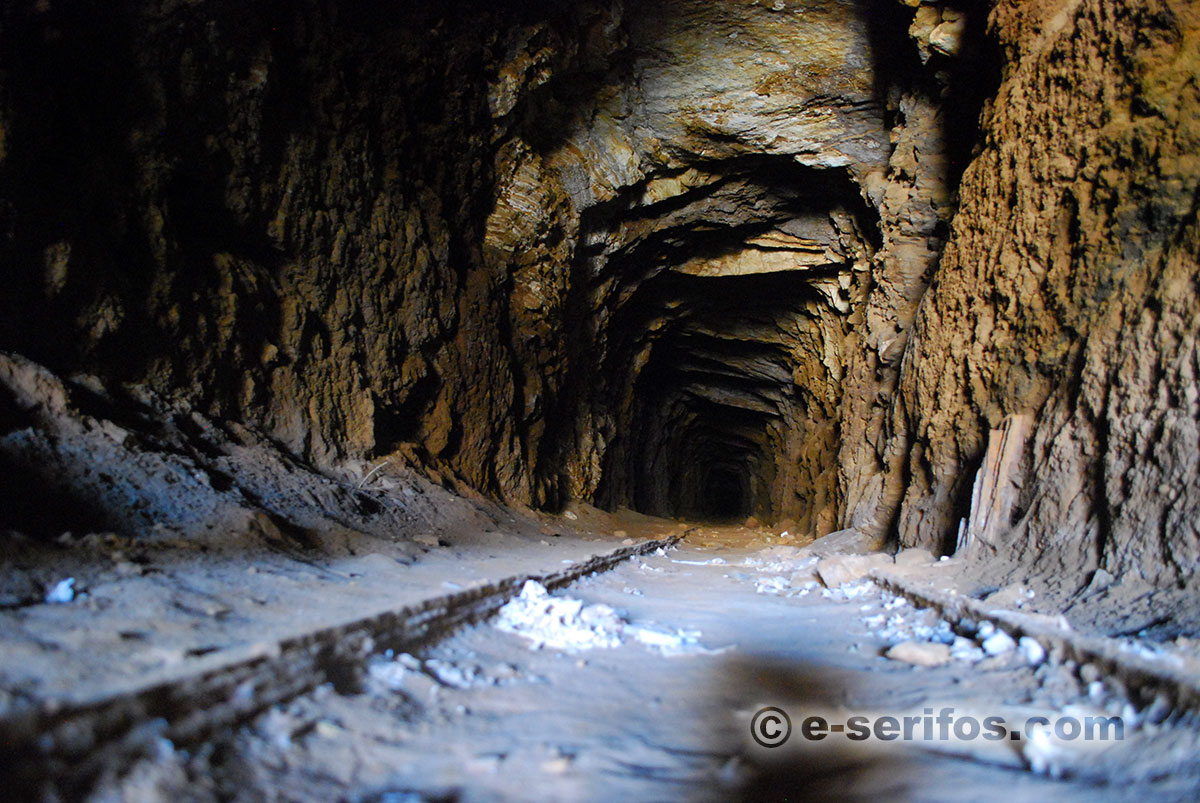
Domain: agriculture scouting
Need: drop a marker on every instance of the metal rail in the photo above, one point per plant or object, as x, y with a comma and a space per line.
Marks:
59, 749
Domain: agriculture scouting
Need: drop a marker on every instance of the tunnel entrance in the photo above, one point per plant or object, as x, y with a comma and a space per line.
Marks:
724, 495
731, 405
727, 310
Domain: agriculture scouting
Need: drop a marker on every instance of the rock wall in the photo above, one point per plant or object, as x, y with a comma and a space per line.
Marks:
1067, 292
274, 211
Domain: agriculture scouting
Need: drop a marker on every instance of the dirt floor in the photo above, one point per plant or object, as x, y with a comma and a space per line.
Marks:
640, 683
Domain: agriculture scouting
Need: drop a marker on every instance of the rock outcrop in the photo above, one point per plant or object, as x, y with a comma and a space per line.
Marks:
1067, 292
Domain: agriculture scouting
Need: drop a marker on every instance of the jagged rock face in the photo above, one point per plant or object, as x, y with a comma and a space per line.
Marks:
1068, 291
708, 228
244, 206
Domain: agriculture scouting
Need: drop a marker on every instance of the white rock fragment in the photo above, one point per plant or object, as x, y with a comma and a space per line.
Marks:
856, 590
963, 649
771, 585
920, 653
924, 625
329, 730
1032, 651
998, 643
567, 624
62, 592
449, 674
559, 622
392, 674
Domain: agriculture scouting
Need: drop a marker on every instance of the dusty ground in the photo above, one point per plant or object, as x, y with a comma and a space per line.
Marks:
143, 613
486, 715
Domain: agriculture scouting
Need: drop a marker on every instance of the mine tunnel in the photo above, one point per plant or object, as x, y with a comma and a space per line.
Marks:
605, 400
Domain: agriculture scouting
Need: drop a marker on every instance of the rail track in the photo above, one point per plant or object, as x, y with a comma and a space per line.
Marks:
58, 749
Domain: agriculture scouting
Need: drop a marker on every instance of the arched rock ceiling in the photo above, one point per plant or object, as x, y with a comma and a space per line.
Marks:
722, 142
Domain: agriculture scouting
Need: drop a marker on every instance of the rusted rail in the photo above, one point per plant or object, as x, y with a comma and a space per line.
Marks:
59, 749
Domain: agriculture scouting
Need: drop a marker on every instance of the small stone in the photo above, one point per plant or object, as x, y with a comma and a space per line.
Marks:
1032, 651
408, 661
920, 653
964, 649
998, 643
62, 592
329, 729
